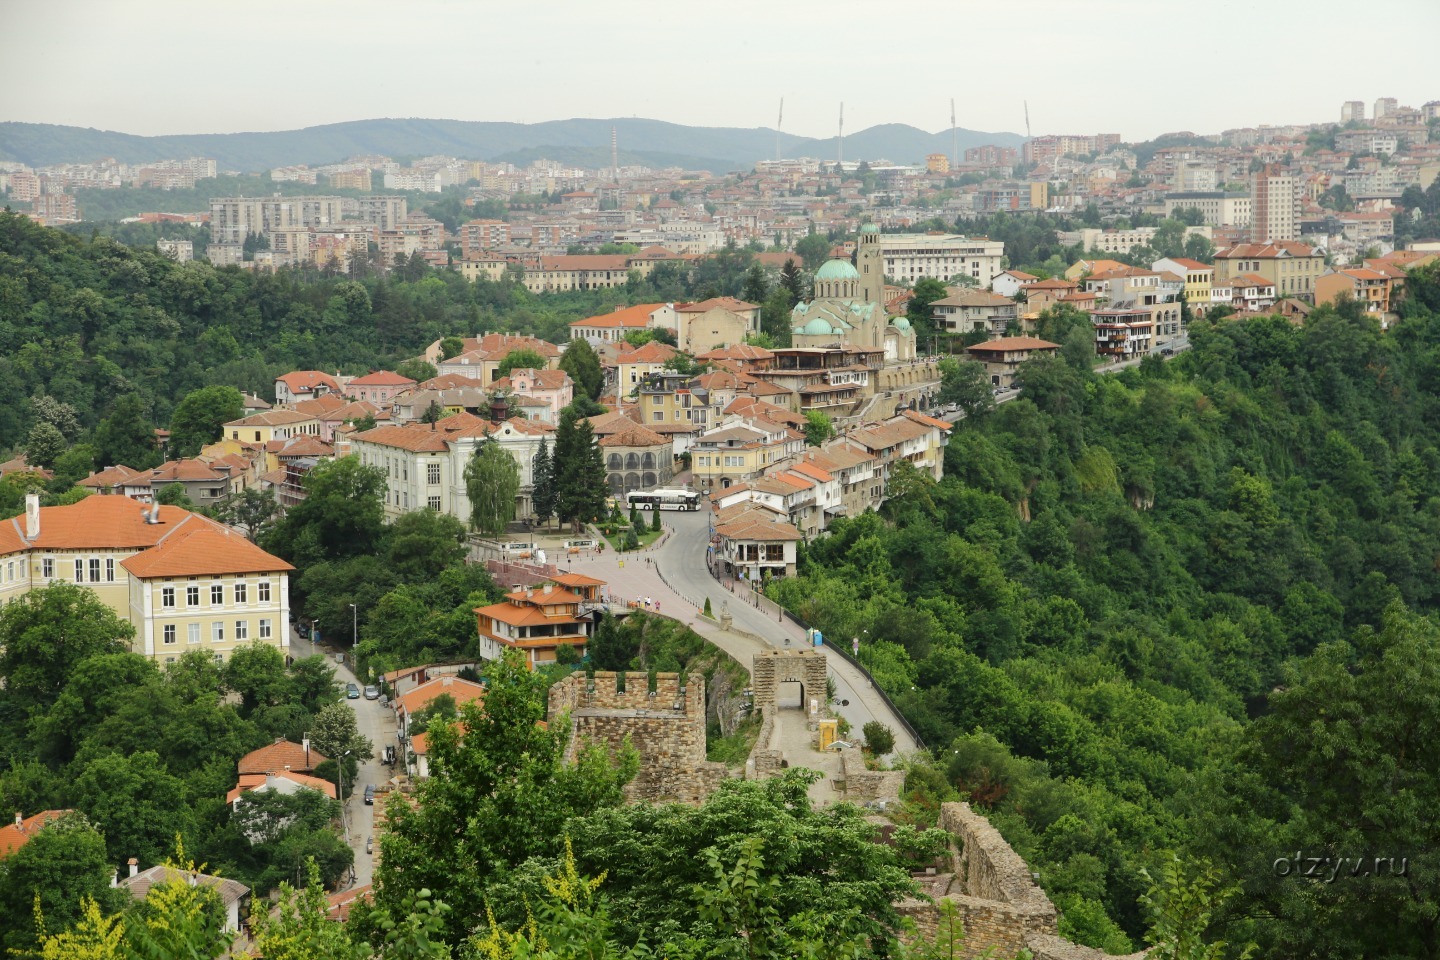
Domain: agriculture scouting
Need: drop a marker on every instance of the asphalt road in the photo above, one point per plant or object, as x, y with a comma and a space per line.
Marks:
376, 723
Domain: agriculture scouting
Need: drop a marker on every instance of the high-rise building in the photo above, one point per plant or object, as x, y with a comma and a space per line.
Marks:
1352, 110
1384, 106
1276, 205
937, 163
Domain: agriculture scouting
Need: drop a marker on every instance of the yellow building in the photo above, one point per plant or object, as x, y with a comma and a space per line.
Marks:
182, 580
270, 425
1291, 266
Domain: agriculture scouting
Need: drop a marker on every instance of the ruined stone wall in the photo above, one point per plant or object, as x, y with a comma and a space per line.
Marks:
611, 707
867, 786
764, 759
995, 897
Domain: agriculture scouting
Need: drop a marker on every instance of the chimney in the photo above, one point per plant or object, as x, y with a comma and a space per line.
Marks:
32, 516
305, 745
134, 866
19, 820
549, 587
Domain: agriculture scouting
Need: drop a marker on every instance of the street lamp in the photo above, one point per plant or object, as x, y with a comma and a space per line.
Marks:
354, 632
340, 763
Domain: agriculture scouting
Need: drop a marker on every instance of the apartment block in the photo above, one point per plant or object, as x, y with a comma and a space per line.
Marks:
911, 256
1276, 212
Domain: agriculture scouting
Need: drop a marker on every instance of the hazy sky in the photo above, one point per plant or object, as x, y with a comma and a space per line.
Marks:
1135, 67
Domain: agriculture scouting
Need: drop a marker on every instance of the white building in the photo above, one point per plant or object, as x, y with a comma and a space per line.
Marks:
424, 463
911, 256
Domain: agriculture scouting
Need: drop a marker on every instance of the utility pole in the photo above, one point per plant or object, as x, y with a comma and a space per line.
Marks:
614, 156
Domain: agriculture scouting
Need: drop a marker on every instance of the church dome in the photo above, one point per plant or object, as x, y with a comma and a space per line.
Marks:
901, 323
818, 327
870, 228
837, 270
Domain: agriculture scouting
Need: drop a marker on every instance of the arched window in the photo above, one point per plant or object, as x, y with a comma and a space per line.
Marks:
614, 462
647, 461
616, 484
632, 461
649, 479
632, 482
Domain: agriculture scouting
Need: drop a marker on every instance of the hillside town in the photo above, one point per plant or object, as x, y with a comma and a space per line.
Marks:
674, 489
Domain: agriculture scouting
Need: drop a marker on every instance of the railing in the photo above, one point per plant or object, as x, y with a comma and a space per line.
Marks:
764, 603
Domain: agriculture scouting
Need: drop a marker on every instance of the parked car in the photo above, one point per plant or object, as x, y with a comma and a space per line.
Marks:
370, 794
372, 692
352, 692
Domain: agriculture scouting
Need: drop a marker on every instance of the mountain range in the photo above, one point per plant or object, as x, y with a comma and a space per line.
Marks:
650, 142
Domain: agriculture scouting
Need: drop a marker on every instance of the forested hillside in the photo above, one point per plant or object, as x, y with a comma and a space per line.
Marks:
87, 321
1186, 607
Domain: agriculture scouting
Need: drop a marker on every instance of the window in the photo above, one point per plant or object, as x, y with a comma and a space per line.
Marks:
95, 570
432, 473
79, 571
217, 632
241, 592
264, 629
242, 630
192, 596
47, 568
109, 569
659, 415
167, 597
217, 595
220, 658
262, 591
192, 633
169, 633
434, 503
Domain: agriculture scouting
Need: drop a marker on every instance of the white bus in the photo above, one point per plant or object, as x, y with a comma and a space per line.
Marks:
664, 499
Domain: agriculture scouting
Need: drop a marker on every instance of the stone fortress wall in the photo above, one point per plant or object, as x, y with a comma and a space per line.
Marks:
995, 896
664, 723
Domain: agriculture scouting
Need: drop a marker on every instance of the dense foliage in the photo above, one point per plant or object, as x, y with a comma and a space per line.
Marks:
1116, 573
145, 756
91, 321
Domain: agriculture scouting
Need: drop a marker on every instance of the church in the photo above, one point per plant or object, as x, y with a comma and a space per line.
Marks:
848, 306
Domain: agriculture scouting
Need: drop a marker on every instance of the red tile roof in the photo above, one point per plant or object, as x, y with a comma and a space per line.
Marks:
281, 755
203, 547
381, 378
13, 836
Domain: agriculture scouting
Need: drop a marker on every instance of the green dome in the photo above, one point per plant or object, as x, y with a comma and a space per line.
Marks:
870, 228
818, 327
837, 270
900, 323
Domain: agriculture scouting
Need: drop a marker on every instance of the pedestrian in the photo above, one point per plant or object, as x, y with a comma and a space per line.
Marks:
657, 606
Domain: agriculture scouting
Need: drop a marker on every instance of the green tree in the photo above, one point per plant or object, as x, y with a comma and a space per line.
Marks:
814, 250
136, 803
199, 417
878, 737
126, 436
334, 731
44, 445
925, 293
756, 288
62, 416
792, 283
499, 793
44, 634
655, 520
818, 428
492, 481
580, 485
415, 369
451, 347
543, 474
1182, 903
523, 359
297, 928
59, 866
174, 495
966, 383
342, 515
583, 366
251, 509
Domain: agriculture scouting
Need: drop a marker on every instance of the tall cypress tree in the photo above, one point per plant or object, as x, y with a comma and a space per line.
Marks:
579, 469
543, 471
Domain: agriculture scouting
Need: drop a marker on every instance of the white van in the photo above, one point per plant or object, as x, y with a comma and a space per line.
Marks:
517, 551
575, 546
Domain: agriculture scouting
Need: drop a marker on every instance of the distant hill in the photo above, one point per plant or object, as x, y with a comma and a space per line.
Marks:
653, 142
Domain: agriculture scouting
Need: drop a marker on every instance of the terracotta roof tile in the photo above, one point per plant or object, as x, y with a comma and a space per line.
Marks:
203, 547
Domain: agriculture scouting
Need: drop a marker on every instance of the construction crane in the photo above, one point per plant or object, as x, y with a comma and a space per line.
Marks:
778, 123
954, 138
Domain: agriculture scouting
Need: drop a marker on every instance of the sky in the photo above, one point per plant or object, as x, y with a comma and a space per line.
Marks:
1134, 67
